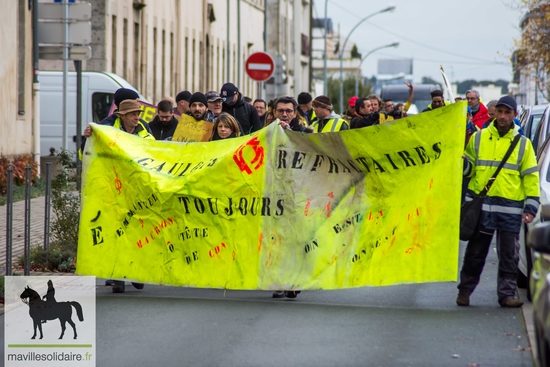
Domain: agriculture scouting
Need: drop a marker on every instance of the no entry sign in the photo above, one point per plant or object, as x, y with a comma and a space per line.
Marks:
260, 66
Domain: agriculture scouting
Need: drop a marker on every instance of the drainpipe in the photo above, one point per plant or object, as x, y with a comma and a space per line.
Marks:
35, 87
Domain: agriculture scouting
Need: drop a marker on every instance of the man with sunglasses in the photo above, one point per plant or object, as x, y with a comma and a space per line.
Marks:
164, 124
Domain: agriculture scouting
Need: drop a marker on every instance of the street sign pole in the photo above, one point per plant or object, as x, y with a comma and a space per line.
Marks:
65, 68
78, 67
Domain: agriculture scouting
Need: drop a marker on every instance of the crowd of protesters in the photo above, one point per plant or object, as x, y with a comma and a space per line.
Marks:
232, 114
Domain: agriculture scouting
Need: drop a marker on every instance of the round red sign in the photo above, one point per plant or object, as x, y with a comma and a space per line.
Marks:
260, 66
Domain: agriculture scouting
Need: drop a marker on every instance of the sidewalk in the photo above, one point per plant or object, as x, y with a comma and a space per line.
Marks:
37, 209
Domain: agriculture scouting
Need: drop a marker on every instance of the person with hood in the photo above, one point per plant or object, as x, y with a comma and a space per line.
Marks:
365, 117
350, 112
225, 127
164, 124
235, 105
327, 120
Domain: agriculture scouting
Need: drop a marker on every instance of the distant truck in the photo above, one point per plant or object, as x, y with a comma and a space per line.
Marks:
98, 90
399, 93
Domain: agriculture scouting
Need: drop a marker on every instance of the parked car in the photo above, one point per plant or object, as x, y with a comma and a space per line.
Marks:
98, 90
530, 118
525, 255
539, 242
542, 131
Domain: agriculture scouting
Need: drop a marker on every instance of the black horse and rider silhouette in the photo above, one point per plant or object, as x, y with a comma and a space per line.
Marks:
50, 309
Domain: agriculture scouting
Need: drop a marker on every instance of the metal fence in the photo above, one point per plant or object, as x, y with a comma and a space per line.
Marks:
27, 224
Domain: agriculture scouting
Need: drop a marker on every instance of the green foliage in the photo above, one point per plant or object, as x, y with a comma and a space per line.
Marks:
65, 204
65, 201
355, 52
59, 257
349, 90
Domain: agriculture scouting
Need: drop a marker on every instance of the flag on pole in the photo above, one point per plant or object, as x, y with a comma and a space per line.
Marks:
448, 91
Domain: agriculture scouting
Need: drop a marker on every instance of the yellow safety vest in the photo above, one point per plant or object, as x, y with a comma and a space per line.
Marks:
142, 133
332, 125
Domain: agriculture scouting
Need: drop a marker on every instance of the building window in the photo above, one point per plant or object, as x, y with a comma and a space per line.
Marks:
136, 54
186, 69
155, 73
172, 68
193, 67
163, 86
113, 44
125, 48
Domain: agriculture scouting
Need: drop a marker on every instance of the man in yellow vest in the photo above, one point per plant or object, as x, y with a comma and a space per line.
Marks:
327, 120
128, 121
513, 199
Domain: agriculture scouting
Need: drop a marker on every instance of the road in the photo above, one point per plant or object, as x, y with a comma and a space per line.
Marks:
405, 325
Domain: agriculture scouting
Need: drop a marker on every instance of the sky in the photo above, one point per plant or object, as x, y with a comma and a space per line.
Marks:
471, 39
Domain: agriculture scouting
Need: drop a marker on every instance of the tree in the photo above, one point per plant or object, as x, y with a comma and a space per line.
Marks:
349, 90
355, 52
534, 53
428, 80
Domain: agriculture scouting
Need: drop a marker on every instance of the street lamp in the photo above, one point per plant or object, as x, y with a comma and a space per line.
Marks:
325, 87
395, 44
389, 8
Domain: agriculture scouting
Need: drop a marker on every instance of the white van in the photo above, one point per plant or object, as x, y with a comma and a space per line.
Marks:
98, 90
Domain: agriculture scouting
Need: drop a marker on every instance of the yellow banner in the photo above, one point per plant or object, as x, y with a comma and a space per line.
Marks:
277, 209
190, 130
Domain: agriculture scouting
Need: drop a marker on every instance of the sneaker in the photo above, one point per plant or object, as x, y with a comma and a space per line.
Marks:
278, 294
110, 282
511, 303
118, 286
463, 299
292, 294
138, 285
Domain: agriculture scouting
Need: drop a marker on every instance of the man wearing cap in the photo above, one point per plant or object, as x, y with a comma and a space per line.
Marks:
164, 124
513, 199
182, 103
479, 111
214, 102
350, 112
327, 120
305, 103
437, 100
235, 105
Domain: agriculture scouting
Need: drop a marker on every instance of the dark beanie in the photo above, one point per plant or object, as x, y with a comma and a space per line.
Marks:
304, 98
183, 96
436, 93
198, 97
123, 94
322, 101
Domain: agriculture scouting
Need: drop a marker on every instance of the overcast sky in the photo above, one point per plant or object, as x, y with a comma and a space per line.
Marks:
472, 39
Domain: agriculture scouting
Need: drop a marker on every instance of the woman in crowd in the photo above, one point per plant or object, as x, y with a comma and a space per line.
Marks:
225, 127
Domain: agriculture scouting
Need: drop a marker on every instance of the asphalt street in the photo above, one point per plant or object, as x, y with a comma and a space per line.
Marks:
405, 325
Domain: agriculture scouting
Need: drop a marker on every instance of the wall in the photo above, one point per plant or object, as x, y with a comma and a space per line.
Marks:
16, 79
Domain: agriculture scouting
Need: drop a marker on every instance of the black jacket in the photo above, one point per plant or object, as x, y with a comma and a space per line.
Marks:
161, 132
364, 121
245, 114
